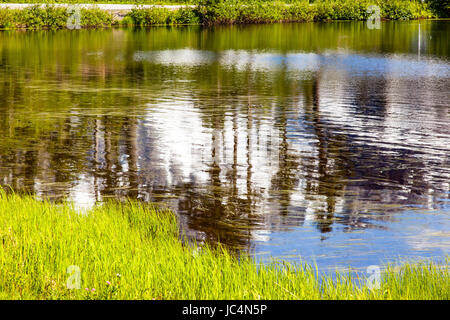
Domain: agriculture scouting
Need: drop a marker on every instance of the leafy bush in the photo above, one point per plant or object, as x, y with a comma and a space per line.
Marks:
397, 10
162, 16
350, 10
7, 18
127, 21
440, 8
323, 11
153, 16
300, 11
43, 17
50, 17
95, 18
219, 11
186, 16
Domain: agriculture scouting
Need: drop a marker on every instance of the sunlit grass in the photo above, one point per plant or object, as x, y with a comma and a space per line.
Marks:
133, 251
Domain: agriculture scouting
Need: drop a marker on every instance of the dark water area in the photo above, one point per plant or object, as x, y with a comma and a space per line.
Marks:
327, 142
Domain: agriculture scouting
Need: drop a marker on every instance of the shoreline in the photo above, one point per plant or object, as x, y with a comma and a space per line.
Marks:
119, 248
119, 10
89, 15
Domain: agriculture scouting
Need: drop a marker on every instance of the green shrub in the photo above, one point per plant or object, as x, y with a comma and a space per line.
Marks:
7, 18
300, 11
37, 17
440, 8
50, 17
137, 16
152, 16
397, 10
219, 11
323, 11
422, 10
186, 16
56, 17
95, 18
261, 12
127, 21
350, 10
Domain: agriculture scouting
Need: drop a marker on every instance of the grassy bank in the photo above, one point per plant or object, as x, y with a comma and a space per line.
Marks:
49, 17
209, 12
132, 251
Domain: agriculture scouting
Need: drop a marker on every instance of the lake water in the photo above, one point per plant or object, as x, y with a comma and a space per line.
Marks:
327, 142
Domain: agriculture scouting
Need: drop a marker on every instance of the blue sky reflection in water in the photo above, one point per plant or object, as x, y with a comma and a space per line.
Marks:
325, 141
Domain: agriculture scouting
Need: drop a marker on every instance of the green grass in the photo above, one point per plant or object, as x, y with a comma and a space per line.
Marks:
133, 251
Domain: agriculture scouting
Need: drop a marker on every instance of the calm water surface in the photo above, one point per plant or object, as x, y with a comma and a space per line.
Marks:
326, 142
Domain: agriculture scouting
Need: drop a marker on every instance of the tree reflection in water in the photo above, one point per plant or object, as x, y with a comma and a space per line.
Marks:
237, 131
